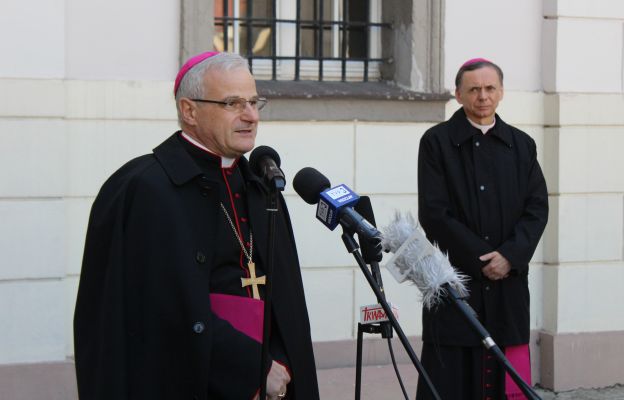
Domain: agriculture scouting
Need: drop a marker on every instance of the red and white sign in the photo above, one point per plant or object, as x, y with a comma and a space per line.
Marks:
374, 314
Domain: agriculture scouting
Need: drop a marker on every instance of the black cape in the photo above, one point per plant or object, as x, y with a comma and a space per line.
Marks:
476, 194
143, 328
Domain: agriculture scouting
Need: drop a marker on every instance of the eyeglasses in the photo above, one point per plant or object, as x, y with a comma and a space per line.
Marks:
238, 104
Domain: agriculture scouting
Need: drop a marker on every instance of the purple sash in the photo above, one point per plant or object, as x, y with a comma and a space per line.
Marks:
520, 358
243, 313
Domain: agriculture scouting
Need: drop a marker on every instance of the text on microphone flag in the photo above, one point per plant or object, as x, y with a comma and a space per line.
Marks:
331, 201
338, 192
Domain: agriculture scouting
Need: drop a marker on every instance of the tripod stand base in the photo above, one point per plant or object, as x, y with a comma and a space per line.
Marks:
368, 328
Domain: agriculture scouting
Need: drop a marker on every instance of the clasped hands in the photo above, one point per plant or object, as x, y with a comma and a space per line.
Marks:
498, 266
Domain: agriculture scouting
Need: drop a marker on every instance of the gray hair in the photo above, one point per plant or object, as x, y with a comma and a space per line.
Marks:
192, 85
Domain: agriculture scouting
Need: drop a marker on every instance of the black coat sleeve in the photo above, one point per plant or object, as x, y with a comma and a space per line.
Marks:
101, 353
519, 247
436, 214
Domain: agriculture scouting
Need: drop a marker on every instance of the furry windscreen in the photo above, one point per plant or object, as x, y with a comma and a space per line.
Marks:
417, 260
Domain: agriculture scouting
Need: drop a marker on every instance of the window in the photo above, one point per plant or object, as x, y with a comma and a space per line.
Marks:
323, 40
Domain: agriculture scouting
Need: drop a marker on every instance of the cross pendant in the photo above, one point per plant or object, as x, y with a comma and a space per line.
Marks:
253, 280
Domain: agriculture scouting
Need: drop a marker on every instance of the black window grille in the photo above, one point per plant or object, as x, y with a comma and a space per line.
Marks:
316, 33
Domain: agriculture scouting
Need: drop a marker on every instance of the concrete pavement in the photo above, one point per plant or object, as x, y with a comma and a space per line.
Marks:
380, 382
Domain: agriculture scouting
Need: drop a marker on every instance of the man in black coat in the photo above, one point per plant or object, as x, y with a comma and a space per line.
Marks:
483, 199
171, 291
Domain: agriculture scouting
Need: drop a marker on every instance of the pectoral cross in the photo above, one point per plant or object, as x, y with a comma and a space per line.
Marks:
253, 280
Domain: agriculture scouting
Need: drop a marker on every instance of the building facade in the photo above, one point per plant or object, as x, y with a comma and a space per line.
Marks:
87, 85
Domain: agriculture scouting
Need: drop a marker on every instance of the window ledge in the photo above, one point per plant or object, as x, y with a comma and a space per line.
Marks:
343, 90
349, 101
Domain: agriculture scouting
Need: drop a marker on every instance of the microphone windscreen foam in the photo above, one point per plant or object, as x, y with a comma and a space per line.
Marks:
417, 260
309, 183
258, 154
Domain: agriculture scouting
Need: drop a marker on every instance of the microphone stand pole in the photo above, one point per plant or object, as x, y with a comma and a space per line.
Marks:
488, 342
272, 208
383, 328
352, 247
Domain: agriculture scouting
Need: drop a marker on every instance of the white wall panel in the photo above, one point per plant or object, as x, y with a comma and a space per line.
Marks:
32, 39
386, 157
584, 109
33, 157
35, 321
590, 227
32, 242
549, 56
522, 108
507, 32
550, 164
117, 39
578, 52
588, 300
327, 147
550, 238
590, 159
329, 296
136, 99
550, 297
584, 8
386, 205
32, 98
536, 290
97, 148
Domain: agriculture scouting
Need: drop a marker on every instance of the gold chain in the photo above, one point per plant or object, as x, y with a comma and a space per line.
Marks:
248, 255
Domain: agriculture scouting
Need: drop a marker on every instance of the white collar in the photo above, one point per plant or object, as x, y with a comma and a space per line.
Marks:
482, 128
225, 161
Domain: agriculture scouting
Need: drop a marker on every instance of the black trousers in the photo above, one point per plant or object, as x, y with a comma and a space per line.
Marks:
461, 373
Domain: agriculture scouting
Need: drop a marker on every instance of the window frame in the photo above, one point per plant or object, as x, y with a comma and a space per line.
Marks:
411, 75
287, 25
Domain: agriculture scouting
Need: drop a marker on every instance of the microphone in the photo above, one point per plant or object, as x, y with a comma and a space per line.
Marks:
417, 260
371, 251
265, 162
335, 205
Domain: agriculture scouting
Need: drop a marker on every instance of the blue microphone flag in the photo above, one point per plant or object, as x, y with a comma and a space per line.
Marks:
332, 201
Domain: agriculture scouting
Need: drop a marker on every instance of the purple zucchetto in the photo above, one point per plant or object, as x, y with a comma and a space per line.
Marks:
190, 63
474, 61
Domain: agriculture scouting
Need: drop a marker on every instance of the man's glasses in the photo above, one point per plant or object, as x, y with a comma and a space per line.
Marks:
238, 104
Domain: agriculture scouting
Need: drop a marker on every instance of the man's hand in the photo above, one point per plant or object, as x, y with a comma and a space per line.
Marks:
277, 380
498, 266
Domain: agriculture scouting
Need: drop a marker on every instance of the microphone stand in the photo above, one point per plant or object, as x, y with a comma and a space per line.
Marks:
383, 328
272, 208
488, 342
352, 247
